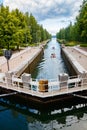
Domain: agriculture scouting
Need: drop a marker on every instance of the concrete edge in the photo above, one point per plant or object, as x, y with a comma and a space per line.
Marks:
77, 67
20, 69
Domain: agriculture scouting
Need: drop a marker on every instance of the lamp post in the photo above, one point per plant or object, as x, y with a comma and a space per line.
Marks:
8, 54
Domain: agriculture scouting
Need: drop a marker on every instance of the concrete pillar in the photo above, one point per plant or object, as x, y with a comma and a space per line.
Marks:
63, 80
84, 78
8, 76
26, 80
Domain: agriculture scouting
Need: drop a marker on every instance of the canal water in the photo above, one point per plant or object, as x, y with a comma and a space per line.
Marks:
72, 116
52, 63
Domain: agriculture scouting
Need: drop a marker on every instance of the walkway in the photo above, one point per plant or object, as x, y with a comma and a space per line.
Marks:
18, 58
79, 55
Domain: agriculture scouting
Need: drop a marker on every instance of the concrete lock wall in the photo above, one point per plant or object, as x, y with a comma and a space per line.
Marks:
34, 62
73, 66
69, 65
29, 65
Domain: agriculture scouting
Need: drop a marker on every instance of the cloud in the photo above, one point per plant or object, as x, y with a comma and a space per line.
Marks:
48, 12
53, 25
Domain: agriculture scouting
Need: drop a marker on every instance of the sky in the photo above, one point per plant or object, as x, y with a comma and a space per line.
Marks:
51, 14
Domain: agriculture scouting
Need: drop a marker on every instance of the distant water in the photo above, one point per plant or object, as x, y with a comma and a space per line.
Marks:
14, 116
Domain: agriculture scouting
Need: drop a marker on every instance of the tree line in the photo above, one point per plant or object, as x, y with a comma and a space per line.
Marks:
19, 29
78, 31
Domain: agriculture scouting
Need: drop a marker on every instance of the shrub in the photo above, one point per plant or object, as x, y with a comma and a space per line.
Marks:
12, 48
1, 52
83, 45
71, 43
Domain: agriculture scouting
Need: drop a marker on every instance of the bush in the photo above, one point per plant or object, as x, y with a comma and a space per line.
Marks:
83, 45
1, 52
12, 48
71, 43
24, 45
61, 41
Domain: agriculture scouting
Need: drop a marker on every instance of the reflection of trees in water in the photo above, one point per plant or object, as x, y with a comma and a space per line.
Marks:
68, 120
15, 114
67, 117
56, 117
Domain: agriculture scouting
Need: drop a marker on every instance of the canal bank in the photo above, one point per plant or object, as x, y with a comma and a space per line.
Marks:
23, 61
75, 60
29, 63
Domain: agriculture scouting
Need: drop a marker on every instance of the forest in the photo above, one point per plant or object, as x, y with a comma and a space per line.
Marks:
19, 30
78, 31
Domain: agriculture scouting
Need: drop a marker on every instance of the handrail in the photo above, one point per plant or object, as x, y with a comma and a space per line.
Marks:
50, 80
47, 92
53, 85
75, 76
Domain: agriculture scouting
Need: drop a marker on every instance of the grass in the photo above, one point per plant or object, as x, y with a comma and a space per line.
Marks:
83, 45
1, 52
72, 43
61, 41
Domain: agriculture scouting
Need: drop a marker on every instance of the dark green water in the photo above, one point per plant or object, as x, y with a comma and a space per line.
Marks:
14, 116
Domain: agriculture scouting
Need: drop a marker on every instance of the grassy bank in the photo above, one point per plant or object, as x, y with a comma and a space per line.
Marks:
71, 43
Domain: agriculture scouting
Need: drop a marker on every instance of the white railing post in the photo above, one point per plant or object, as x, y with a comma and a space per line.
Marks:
37, 86
52, 91
82, 84
75, 84
67, 87
31, 90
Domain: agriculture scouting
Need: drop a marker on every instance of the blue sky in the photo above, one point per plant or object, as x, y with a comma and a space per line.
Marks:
52, 14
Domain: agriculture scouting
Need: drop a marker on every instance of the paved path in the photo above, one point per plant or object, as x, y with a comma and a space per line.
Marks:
17, 58
78, 54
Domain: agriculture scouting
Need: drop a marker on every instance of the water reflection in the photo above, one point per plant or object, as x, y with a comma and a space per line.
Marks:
57, 118
64, 120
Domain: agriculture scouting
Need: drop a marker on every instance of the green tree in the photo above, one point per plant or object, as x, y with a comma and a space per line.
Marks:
17, 29
78, 31
82, 22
